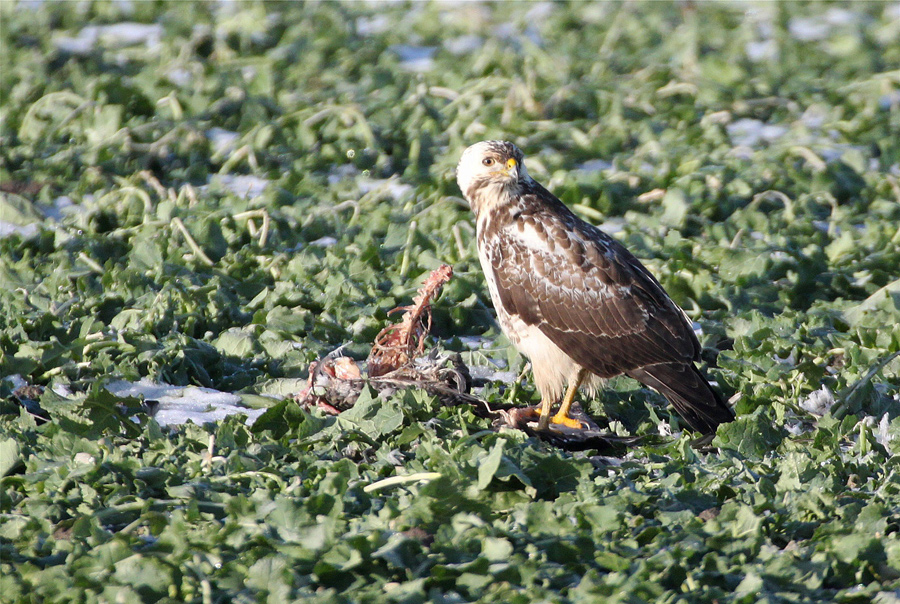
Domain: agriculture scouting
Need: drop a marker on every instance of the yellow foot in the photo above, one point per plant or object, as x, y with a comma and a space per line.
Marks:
569, 422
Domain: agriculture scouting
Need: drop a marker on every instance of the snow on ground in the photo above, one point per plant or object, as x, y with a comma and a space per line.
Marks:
819, 402
180, 404
242, 185
750, 132
223, 141
116, 35
27, 231
414, 58
28, 224
463, 45
392, 186
595, 165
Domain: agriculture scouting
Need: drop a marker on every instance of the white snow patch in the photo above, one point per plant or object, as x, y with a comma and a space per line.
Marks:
249, 73
324, 242
512, 33
505, 31
595, 165
475, 342
889, 100
818, 402
764, 50
223, 141
464, 44
63, 390
533, 34
790, 360
794, 428
819, 27
487, 373
814, 117
342, 172
414, 58
243, 185
613, 225
836, 152
842, 16
27, 231
391, 186
181, 404
884, 437
54, 212
62, 206
16, 380
370, 26
664, 428
824, 226
809, 29
180, 77
539, 11
117, 35
749, 132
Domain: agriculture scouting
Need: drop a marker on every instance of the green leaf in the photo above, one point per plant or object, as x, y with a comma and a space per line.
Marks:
884, 297
18, 210
149, 577
751, 435
286, 416
9, 456
496, 550
97, 413
489, 464
751, 585
748, 160
675, 208
237, 342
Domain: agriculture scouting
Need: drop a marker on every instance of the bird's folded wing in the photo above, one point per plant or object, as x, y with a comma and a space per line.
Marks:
589, 295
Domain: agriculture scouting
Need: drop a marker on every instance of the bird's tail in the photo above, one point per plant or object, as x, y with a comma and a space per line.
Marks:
689, 392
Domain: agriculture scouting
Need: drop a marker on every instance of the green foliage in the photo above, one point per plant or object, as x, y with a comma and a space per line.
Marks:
763, 192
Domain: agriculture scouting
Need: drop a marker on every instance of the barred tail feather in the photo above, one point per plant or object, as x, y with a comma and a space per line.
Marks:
695, 400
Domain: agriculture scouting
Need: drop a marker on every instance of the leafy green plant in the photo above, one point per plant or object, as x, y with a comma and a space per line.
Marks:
217, 194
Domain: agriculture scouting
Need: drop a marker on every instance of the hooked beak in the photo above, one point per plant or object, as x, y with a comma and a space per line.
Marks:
512, 169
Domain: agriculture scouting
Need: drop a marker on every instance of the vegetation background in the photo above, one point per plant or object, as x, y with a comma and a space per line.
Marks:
218, 193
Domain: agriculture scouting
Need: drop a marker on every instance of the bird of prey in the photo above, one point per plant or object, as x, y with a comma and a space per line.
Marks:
573, 300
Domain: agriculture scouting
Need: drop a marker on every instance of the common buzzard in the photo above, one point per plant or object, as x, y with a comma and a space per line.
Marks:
573, 300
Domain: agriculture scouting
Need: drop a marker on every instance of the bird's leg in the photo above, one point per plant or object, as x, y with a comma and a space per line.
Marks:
562, 416
544, 419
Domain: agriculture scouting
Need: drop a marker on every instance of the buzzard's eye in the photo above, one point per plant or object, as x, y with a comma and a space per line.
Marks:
487, 161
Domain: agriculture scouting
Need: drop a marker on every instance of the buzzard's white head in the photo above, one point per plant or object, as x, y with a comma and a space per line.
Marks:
491, 173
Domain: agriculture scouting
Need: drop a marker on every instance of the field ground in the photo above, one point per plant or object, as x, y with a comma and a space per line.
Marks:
218, 193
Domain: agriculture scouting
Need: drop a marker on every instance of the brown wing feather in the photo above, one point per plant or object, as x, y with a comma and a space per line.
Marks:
587, 293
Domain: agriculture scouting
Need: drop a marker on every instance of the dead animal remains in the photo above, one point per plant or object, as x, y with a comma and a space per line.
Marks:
399, 360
